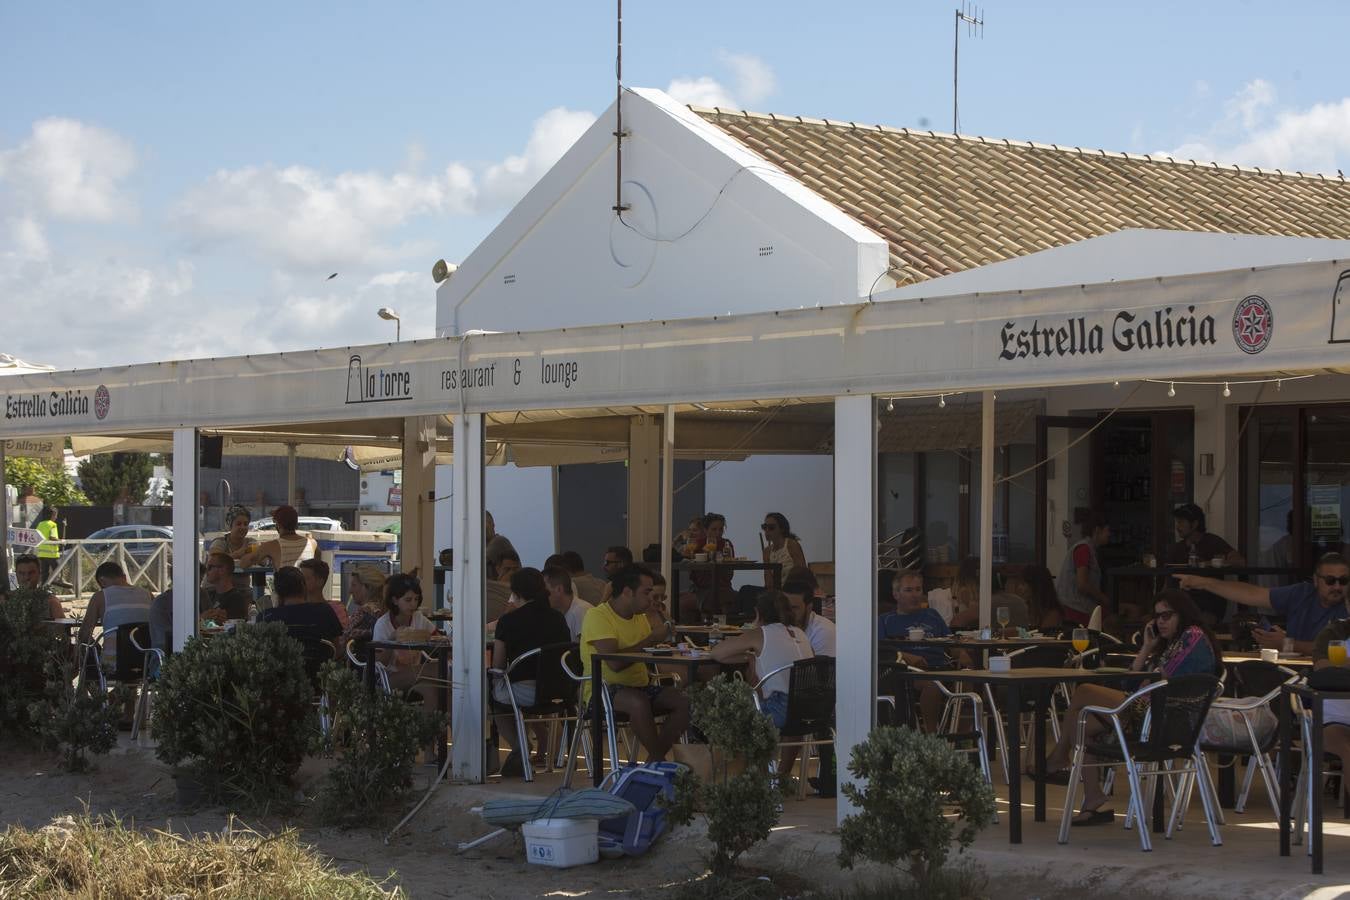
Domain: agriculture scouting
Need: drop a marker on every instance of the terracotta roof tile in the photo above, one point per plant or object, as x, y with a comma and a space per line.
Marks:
946, 203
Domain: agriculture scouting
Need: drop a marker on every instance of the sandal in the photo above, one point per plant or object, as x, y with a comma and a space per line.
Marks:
1096, 816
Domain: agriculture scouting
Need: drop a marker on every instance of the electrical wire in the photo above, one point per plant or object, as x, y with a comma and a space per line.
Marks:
745, 439
1076, 441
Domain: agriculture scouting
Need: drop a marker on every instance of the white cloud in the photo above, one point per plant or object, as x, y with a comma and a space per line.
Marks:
553, 133
304, 219
70, 170
1254, 131
753, 78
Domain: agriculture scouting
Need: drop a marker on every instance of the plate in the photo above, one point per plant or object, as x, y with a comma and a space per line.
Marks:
659, 651
1110, 670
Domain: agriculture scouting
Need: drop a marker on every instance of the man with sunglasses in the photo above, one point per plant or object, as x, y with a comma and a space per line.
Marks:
1307, 608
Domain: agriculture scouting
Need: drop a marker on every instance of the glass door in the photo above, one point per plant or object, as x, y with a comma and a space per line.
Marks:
1326, 481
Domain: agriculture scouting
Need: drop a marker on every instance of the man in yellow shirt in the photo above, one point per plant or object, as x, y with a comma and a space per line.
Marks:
620, 625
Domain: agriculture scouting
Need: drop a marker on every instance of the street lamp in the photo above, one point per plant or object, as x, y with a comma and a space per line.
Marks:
387, 313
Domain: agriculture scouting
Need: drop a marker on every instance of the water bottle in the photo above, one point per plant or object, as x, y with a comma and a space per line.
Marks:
1192, 558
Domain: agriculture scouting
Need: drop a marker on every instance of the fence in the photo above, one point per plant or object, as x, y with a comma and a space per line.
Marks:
145, 560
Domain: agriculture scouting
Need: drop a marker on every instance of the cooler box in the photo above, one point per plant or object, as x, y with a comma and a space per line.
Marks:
562, 843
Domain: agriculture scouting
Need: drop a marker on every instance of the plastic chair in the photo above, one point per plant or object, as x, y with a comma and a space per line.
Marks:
381, 674
149, 655
1168, 746
555, 695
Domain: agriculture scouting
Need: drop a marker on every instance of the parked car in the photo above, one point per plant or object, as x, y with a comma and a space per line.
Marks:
139, 550
307, 523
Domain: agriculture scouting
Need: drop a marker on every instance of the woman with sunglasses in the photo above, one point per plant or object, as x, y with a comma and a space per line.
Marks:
780, 545
1175, 642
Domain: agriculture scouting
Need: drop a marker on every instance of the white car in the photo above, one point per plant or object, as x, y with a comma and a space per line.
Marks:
306, 523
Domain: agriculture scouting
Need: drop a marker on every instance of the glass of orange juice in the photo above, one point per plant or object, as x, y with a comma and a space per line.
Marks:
1080, 640
1336, 653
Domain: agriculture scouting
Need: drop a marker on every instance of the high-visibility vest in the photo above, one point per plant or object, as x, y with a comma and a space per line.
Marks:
48, 549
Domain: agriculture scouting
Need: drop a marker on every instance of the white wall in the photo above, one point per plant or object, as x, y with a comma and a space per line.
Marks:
521, 503
799, 487
562, 258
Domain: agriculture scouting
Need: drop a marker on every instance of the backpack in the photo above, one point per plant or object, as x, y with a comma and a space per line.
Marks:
651, 789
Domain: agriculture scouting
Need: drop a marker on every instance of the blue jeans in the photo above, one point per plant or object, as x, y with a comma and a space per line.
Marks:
775, 707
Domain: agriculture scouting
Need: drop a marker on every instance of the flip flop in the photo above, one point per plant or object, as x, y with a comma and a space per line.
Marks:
1095, 817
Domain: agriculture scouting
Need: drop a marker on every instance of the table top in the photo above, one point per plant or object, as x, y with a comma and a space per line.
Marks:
689, 658
981, 644
1177, 569
745, 564
1038, 675
1242, 656
424, 646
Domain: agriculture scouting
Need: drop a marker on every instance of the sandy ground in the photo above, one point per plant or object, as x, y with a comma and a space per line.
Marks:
1104, 863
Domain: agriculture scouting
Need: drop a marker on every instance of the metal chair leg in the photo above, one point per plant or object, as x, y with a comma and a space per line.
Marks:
1070, 792
1137, 795
1209, 800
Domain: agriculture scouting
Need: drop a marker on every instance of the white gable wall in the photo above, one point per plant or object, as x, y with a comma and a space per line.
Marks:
705, 212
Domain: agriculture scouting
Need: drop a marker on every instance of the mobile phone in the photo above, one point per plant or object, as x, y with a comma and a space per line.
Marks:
1265, 624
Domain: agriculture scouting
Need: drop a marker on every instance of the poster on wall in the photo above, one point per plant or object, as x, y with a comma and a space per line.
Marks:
1324, 508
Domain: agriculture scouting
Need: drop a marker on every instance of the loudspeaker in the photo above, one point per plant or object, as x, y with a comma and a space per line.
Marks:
210, 450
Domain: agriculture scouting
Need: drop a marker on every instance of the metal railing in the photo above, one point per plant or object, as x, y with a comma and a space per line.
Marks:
902, 550
147, 566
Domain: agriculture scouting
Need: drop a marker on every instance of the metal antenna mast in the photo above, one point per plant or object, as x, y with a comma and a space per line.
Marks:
619, 135
974, 28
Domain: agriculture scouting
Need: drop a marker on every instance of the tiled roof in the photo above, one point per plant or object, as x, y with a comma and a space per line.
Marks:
947, 203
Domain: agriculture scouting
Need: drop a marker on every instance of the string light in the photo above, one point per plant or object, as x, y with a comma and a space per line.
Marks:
1115, 384
1227, 392
942, 401
1278, 381
890, 405
1172, 389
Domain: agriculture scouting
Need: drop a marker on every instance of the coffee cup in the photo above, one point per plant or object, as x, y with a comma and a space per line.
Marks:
917, 634
700, 557
1270, 655
1218, 562
1000, 664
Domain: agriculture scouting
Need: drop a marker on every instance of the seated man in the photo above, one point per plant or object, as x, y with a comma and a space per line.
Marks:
819, 630
28, 572
497, 591
619, 626
305, 618
911, 611
584, 585
221, 591
1192, 536
315, 572
561, 598
1307, 608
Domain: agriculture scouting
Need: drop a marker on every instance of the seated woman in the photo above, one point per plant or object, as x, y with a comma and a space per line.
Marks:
780, 545
531, 624
402, 600
774, 643
1037, 588
707, 598
365, 604
966, 594
1176, 642
289, 546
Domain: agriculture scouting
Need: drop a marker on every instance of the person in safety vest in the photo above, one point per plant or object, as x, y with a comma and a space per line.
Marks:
49, 551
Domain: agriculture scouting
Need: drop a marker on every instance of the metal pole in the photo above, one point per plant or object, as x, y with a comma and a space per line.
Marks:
987, 510
956, 65
290, 474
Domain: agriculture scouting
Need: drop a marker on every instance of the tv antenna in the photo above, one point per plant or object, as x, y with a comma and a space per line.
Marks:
974, 20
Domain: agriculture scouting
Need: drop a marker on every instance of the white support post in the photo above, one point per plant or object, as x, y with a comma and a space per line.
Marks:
644, 443
855, 547
290, 474
417, 520
987, 510
466, 667
185, 581
4, 524
668, 495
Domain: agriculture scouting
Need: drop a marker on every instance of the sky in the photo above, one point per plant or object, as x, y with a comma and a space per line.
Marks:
180, 180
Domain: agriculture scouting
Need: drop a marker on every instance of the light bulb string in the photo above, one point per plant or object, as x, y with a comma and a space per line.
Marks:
1076, 441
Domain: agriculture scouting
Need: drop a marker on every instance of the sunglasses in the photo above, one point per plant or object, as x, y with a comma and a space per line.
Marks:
1165, 615
1330, 580
769, 526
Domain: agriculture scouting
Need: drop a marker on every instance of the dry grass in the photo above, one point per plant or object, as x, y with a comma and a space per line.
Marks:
83, 858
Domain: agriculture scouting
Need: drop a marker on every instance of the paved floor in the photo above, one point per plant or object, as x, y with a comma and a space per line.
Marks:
1105, 859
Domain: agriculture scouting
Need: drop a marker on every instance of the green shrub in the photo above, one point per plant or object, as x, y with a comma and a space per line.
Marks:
237, 708
741, 808
74, 719
377, 737
908, 779
25, 645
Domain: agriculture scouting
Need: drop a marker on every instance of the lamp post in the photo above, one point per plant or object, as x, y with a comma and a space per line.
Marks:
387, 313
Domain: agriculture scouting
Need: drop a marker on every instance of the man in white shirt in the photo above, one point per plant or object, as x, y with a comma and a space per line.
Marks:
584, 585
819, 630
560, 597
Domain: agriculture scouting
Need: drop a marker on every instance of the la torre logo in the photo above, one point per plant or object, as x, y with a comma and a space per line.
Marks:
1165, 328
366, 384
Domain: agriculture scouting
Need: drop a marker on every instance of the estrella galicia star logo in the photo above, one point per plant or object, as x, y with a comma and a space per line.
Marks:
1253, 324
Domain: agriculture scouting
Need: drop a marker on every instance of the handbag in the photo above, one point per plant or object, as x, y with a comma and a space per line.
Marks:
1225, 728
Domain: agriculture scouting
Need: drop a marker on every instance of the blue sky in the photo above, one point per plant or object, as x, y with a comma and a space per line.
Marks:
179, 180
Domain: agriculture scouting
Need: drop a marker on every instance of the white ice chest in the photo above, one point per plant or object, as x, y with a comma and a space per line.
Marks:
562, 843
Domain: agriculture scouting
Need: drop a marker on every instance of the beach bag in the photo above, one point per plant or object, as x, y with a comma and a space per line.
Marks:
1225, 728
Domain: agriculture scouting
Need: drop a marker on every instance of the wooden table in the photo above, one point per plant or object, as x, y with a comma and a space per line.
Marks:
440, 650
691, 662
1312, 758
717, 567
1039, 680
1232, 657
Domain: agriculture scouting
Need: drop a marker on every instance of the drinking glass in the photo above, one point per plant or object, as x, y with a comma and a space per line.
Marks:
1336, 653
1002, 615
1081, 639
